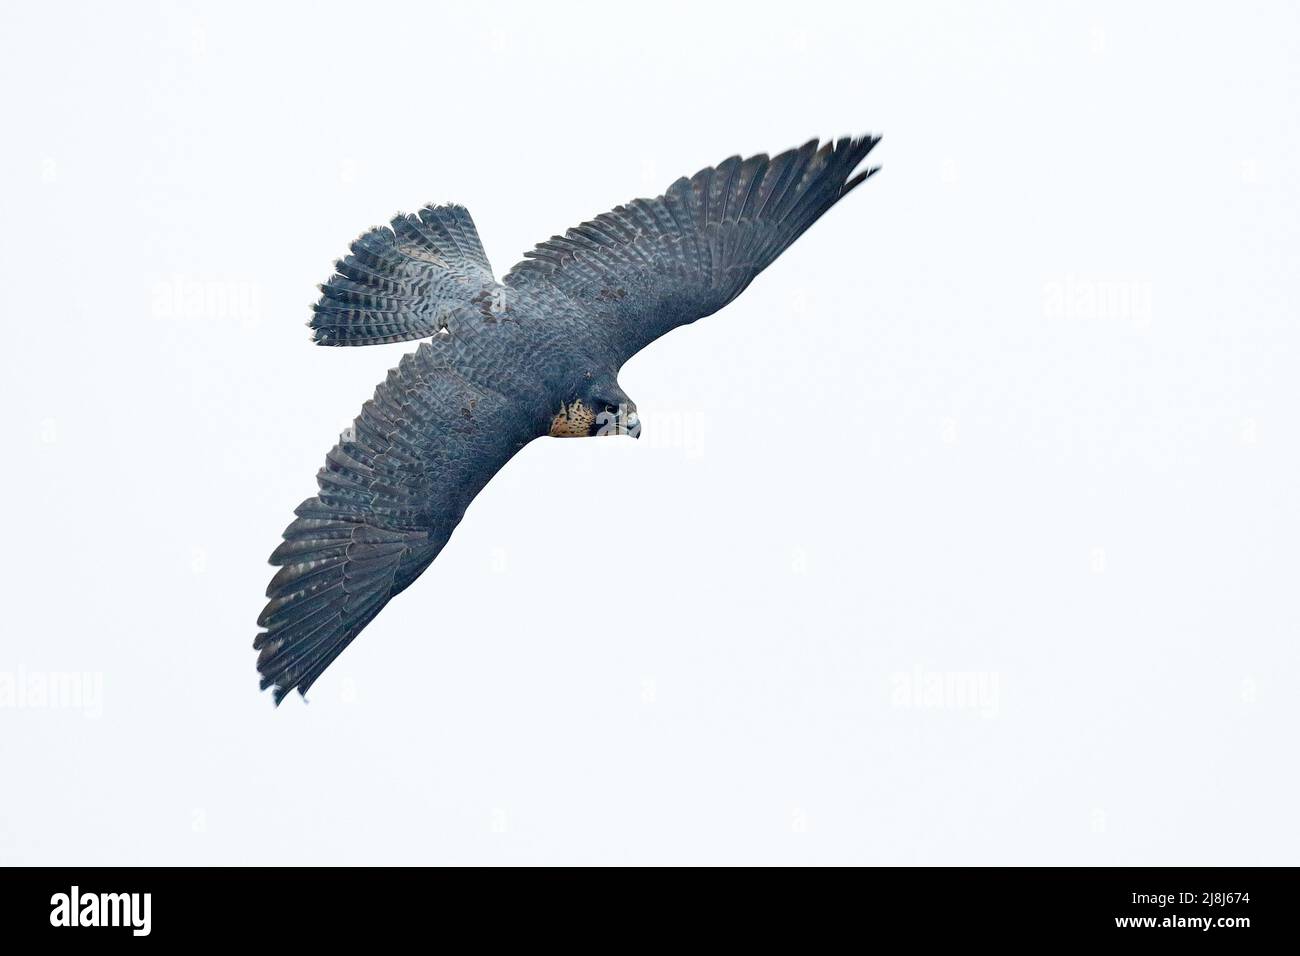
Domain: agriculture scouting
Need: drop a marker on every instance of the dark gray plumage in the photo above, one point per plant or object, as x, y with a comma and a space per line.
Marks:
505, 363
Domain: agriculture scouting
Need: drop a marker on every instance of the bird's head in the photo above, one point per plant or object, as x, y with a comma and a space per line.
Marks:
602, 412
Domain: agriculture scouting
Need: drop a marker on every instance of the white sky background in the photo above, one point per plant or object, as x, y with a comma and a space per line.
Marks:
1017, 417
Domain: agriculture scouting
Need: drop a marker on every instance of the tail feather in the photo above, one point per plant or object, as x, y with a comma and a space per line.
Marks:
403, 281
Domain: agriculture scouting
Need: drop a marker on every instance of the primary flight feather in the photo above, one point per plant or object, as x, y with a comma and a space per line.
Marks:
536, 354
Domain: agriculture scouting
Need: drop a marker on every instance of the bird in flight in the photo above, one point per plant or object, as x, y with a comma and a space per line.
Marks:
535, 354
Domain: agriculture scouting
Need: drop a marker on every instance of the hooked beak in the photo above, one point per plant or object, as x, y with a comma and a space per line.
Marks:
623, 421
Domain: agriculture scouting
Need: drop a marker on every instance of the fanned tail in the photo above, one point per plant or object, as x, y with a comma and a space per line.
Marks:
405, 280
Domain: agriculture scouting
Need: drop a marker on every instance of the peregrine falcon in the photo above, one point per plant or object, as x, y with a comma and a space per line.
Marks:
535, 354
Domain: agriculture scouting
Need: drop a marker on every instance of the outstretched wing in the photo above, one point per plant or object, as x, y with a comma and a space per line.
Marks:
654, 264
391, 492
